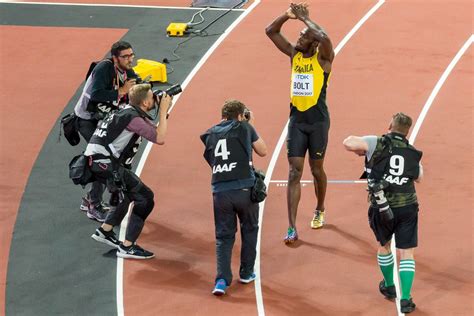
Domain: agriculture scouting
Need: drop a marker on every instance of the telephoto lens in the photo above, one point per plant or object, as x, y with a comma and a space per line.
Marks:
171, 91
174, 90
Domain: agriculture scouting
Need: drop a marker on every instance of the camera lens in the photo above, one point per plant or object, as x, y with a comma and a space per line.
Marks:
171, 91
174, 90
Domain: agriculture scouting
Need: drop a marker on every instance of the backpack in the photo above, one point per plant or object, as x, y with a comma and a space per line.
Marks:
70, 129
259, 189
92, 66
79, 170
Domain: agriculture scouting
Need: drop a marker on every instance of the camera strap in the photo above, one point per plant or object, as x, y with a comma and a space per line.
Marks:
118, 78
142, 113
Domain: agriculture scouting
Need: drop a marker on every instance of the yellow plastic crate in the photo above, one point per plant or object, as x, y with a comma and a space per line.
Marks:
176, 29
156, 70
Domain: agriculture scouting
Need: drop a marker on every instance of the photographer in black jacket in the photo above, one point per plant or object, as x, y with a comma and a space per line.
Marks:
112, 143
229, 146
106, 88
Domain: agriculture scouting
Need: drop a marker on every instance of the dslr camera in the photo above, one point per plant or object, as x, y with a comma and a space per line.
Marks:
171, 91
157, 94
247, 114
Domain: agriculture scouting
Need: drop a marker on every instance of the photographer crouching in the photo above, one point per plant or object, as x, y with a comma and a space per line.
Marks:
110, 146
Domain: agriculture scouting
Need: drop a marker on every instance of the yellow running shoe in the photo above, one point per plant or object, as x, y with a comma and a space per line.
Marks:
318, 220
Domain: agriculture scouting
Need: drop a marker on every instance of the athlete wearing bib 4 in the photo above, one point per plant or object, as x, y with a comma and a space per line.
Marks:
229, 146
392, 166
311, 60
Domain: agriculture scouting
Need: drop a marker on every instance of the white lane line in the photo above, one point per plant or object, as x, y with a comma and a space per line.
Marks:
276, 153
329, 181
271, 167
437, 87
146, 152
358, 25
112, 5
414, 133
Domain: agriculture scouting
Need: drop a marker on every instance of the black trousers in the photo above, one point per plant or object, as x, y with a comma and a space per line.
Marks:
135, 191
86, 129
228, 206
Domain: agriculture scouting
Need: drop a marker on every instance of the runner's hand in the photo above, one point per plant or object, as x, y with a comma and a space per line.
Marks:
290, 14
300, 10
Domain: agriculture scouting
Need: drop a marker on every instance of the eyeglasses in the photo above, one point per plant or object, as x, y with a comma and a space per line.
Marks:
128, 56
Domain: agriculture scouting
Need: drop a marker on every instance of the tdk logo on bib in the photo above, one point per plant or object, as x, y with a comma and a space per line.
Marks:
302, 85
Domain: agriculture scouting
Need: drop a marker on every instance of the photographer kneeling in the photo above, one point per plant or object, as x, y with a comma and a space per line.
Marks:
111, 145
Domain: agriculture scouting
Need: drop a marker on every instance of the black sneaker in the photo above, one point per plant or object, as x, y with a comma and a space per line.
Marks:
407, 306
108, 238
388, 291
133, 252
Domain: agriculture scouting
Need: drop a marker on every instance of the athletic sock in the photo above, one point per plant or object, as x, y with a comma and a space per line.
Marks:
386, 266
407, 275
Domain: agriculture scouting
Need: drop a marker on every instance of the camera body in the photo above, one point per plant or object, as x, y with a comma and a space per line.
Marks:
171, 91
247, 114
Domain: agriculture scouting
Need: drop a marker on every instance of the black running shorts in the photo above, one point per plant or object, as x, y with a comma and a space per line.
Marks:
304, 137
405, 226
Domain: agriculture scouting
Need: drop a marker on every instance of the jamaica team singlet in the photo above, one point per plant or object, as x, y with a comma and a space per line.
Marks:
308, 90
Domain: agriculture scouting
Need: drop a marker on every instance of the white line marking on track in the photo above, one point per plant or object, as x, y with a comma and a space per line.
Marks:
276, 153
146, 152
305, 183
329, 181
437, 87
112, 5
412, 138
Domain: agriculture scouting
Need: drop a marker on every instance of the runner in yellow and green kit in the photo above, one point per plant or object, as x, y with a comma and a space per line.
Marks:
311, 60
